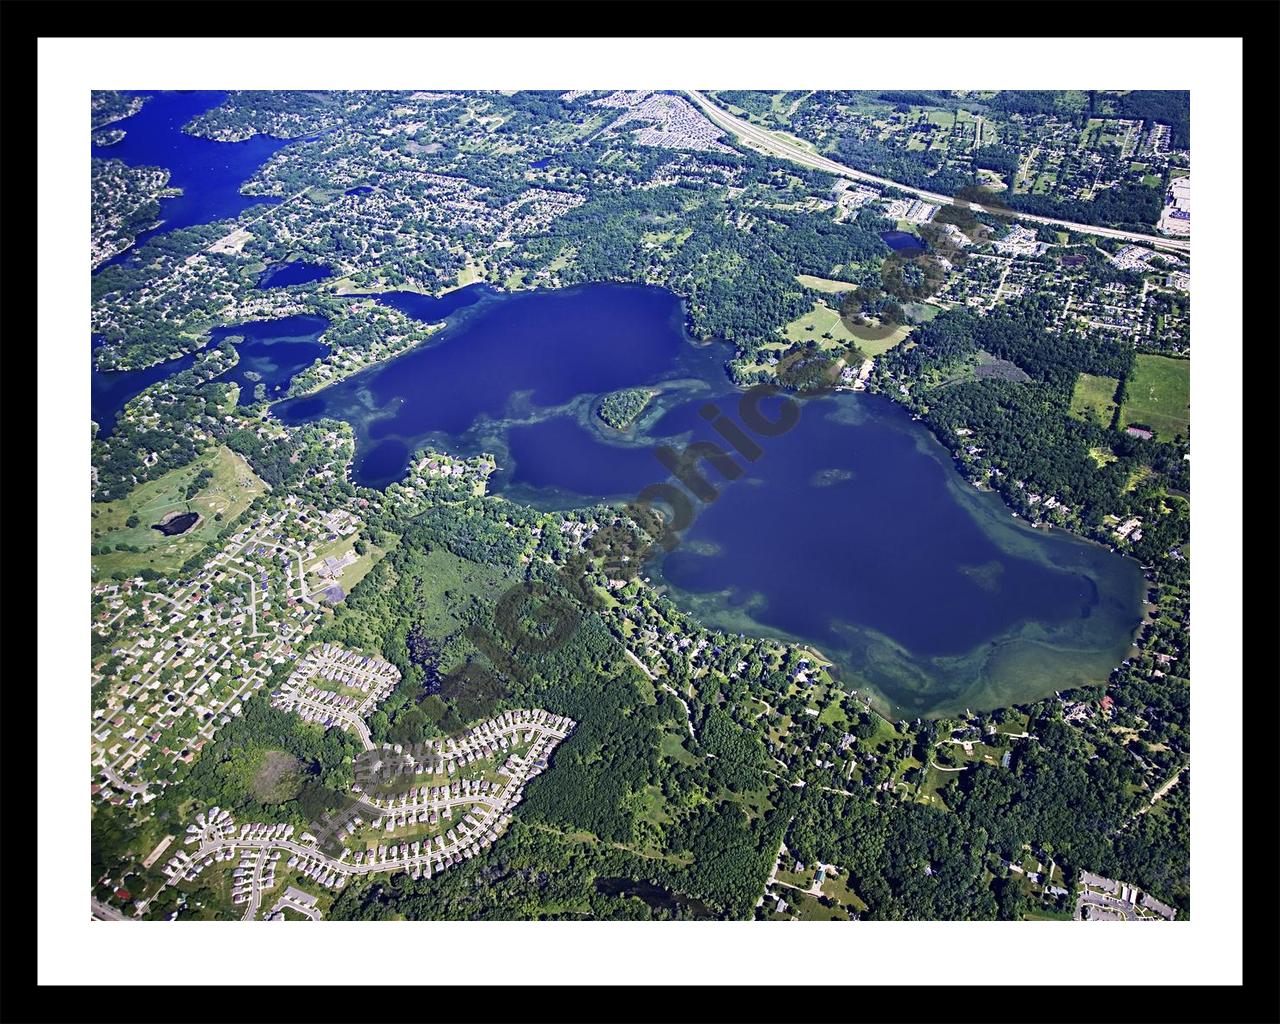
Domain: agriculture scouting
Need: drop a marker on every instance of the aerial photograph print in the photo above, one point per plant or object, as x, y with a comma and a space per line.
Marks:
647, 505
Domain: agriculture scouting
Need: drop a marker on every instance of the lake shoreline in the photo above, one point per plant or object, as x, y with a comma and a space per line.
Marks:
943, 601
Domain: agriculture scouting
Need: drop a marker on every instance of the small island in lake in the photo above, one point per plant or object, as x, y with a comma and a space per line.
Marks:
619, 409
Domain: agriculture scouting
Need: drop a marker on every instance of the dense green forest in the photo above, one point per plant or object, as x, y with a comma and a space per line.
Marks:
620, 408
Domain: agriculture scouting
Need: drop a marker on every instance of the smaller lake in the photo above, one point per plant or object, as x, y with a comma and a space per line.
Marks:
272, 353
283, 275
359, 190
538, 165
111, 390
209, 173
901, 241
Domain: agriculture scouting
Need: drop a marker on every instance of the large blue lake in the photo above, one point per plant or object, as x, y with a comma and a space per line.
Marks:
852, 531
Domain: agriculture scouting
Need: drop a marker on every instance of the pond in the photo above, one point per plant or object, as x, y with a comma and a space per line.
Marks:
656, 897
852, 532
282, 275
902, 241
172, 525
271, 353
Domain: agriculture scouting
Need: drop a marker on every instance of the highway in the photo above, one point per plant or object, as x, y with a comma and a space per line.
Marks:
774, 145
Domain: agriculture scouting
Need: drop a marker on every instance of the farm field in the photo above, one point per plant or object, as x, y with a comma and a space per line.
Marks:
1159, 396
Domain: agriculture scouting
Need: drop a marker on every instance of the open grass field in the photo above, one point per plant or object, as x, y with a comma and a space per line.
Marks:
470, 274
228, 493
921, 311
878, 346
672, 746
1092, 398
809, 909
824, 284
816, 325
1159, 396
356, 566
359, 569
277, 778
934, 781
444, 585
801, 880
824, 326
837, 888
564, 258
755, 802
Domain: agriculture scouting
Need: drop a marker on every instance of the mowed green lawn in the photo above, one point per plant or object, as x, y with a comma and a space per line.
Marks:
822, 320
1160, 396
233, 486
1092, 398
817, 322
824, 284
872, 342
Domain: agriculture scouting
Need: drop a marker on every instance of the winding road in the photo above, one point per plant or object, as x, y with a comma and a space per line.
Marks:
776, 145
